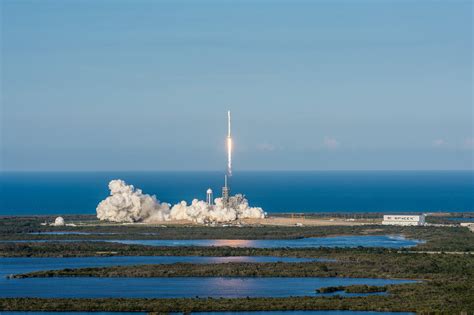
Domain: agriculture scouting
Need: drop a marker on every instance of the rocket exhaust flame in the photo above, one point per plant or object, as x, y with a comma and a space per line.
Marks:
229, 156
128, 204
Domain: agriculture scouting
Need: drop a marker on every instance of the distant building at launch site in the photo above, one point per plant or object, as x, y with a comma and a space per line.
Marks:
403, 219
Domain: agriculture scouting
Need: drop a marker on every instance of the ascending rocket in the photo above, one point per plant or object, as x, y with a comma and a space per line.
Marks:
229, 146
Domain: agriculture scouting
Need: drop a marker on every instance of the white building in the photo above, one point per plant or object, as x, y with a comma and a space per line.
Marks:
391, 219
58, 222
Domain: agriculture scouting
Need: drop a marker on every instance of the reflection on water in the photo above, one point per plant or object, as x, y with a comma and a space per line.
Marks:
388, 241
70, 233
230, 243
28, 264
175, 287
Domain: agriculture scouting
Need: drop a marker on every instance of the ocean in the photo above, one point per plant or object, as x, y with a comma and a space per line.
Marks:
34, 193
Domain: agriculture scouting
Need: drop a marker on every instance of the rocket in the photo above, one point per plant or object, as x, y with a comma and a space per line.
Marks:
229, 146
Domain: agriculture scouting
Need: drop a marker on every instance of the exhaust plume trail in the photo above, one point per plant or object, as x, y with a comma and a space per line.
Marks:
229, 146
128, 204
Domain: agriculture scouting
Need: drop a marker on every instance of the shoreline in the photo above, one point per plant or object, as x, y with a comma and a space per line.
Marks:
446, 279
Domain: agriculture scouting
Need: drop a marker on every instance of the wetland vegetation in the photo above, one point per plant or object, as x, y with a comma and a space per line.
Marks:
445, 270
356, 288
442, 238
357, 263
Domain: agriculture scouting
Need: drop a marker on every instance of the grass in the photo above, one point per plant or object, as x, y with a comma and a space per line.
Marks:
447, 238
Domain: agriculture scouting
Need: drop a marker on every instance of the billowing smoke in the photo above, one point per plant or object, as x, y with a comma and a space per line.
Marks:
127, 204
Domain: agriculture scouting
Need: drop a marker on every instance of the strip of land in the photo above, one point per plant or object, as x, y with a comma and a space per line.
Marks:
427, 297
358, 263
444, 269
438, 239
445, 283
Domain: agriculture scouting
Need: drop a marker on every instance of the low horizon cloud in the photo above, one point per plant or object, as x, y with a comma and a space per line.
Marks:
438, 143
331, 143
267, 147
469, 143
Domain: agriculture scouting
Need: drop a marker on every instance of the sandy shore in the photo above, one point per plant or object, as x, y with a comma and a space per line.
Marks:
270, 221
277, 221
301, 221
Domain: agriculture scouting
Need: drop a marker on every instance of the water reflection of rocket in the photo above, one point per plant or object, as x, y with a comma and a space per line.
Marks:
229, 147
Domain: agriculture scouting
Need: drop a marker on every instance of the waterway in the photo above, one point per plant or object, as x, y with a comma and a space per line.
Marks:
387, 241
226, 287
18, 265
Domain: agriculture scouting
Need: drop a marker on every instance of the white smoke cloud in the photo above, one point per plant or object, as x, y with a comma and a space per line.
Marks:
127, 204
331, 143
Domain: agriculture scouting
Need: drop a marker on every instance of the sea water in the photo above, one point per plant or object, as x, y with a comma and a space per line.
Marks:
314, 191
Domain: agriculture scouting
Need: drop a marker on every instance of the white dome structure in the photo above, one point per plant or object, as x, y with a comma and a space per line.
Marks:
59, 221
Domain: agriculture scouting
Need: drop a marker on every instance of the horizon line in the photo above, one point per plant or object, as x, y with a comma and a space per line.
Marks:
243, 170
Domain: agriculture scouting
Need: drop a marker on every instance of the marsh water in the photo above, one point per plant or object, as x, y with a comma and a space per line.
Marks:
159, 287
165, 287
18, 265
227, 287
387, 241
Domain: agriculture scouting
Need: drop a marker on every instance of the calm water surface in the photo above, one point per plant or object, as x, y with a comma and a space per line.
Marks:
17, 265
310, 191
387, 241
227, 287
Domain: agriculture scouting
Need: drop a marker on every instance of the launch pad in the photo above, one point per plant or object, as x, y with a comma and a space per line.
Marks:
127, 204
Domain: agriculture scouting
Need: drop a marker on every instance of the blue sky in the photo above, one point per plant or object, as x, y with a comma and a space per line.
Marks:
313, 85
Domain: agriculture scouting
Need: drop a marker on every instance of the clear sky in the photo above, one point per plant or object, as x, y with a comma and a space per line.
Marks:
313, 85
